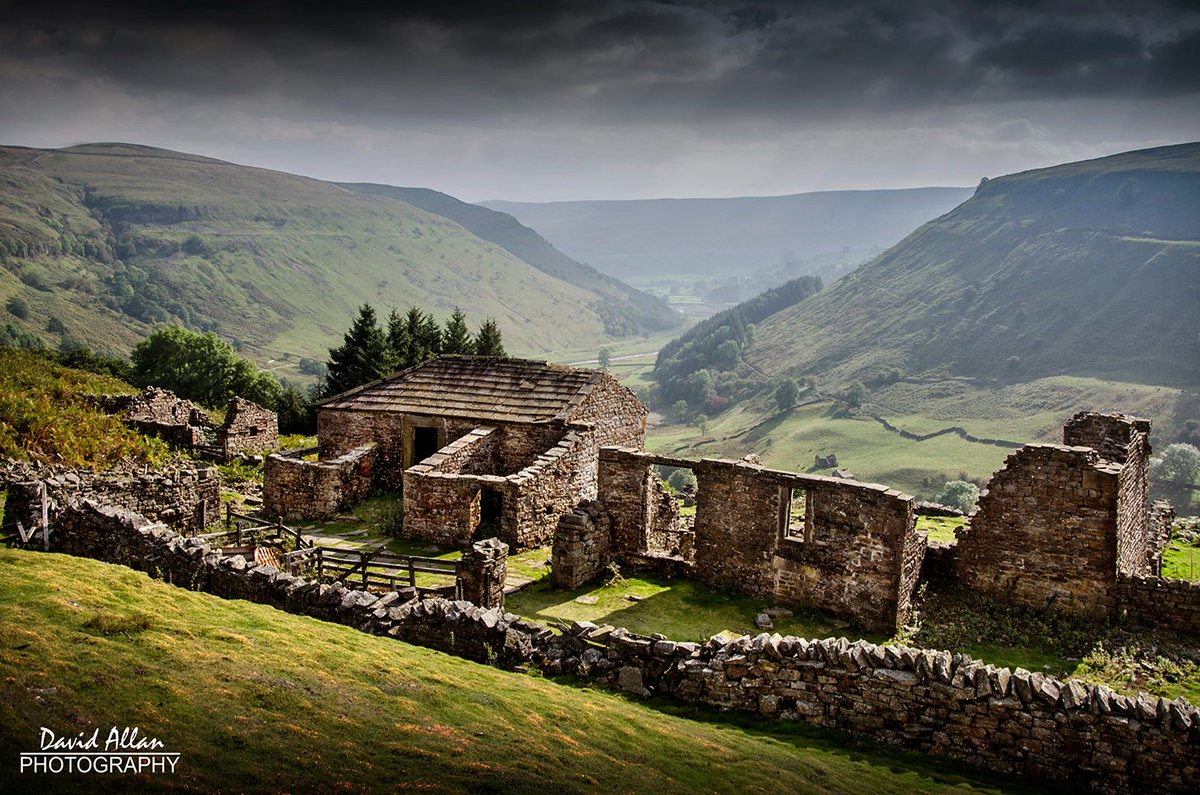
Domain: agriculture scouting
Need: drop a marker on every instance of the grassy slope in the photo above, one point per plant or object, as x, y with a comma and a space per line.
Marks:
1085, 269
257, 700
627, 310
283, 261
44, 416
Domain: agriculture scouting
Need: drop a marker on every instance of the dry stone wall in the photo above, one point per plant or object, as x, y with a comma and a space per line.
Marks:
1159, 602
186, 499
931, 701
294, 488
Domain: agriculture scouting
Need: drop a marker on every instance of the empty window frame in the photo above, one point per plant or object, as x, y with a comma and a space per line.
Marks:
795, 513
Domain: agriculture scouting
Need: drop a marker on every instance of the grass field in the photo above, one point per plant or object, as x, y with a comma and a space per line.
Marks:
256, 700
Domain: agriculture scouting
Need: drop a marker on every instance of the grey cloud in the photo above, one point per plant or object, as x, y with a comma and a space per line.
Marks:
611, 61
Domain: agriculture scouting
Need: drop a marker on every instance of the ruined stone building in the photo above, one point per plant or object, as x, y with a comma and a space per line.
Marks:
1062, 524
248, 429
1069, 526
480, 447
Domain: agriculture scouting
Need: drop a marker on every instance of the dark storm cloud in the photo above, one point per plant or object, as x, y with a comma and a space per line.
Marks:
609, 61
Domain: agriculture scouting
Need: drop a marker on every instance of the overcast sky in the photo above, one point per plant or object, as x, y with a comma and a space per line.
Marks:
554, 100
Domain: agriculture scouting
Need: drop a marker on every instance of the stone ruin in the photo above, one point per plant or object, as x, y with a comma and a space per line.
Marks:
848, 547
248, 429
480, 447
1067, 525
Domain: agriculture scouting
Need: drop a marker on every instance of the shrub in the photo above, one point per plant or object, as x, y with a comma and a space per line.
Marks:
958, 494
17, 307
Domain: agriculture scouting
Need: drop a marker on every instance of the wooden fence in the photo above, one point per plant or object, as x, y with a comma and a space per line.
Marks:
374, 569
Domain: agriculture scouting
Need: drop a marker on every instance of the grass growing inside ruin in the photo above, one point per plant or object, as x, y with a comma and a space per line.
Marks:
1181, 562
940, 528
256, 700
681, 609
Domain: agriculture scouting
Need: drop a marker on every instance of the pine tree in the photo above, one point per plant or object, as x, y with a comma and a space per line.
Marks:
414, 327
363, 356
487, 341
457, 338
431, 337
399, 343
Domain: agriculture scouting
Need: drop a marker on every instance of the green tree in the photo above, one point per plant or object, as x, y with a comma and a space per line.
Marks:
399, 342
362, 357
604, 358
294, 411
200, 367
679, 409
958, 494
424, 337
457, 337
488, 341
1173, 470
786, 394
856, 395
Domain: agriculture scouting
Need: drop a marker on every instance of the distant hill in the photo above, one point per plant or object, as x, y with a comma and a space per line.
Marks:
625, 310
1089, 269
99, 243
635, 240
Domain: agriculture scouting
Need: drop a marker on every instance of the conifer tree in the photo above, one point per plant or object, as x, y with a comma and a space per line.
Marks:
415, 328
399, 343
487, 341
363, 356
457, 338
431, 337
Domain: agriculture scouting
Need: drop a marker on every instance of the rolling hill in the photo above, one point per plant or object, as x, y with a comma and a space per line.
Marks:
1086, 269
1048, 292
625, 310
102, 242
643, 239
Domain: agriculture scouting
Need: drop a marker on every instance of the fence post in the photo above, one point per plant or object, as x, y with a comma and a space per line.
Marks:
238, 537
363, 557
228, 516
412, 574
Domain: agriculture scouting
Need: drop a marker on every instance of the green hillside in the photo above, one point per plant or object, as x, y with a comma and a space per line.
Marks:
1049, 292
256, 700
1088, 269
112, 239
625, 310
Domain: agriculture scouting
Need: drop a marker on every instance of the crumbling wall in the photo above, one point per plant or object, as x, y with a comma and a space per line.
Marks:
186, 499
1124, 440
860, 557
581, 547
294, 488
615, 414
249, 429
1045, 531
158, 412
551, 486
481, 572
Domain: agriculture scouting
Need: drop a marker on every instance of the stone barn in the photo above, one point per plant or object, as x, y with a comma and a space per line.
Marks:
481, 447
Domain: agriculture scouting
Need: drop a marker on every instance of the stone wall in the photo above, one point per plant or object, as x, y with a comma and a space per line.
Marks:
481, 572
297, 489
249, 429
158, 412
581, 547
616, 416
931, 701
457, 627
859, 555
1159, 602
185, 499
1045, 531
445, 499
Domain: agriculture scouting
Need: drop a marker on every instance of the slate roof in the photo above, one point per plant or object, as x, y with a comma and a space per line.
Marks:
475, 387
